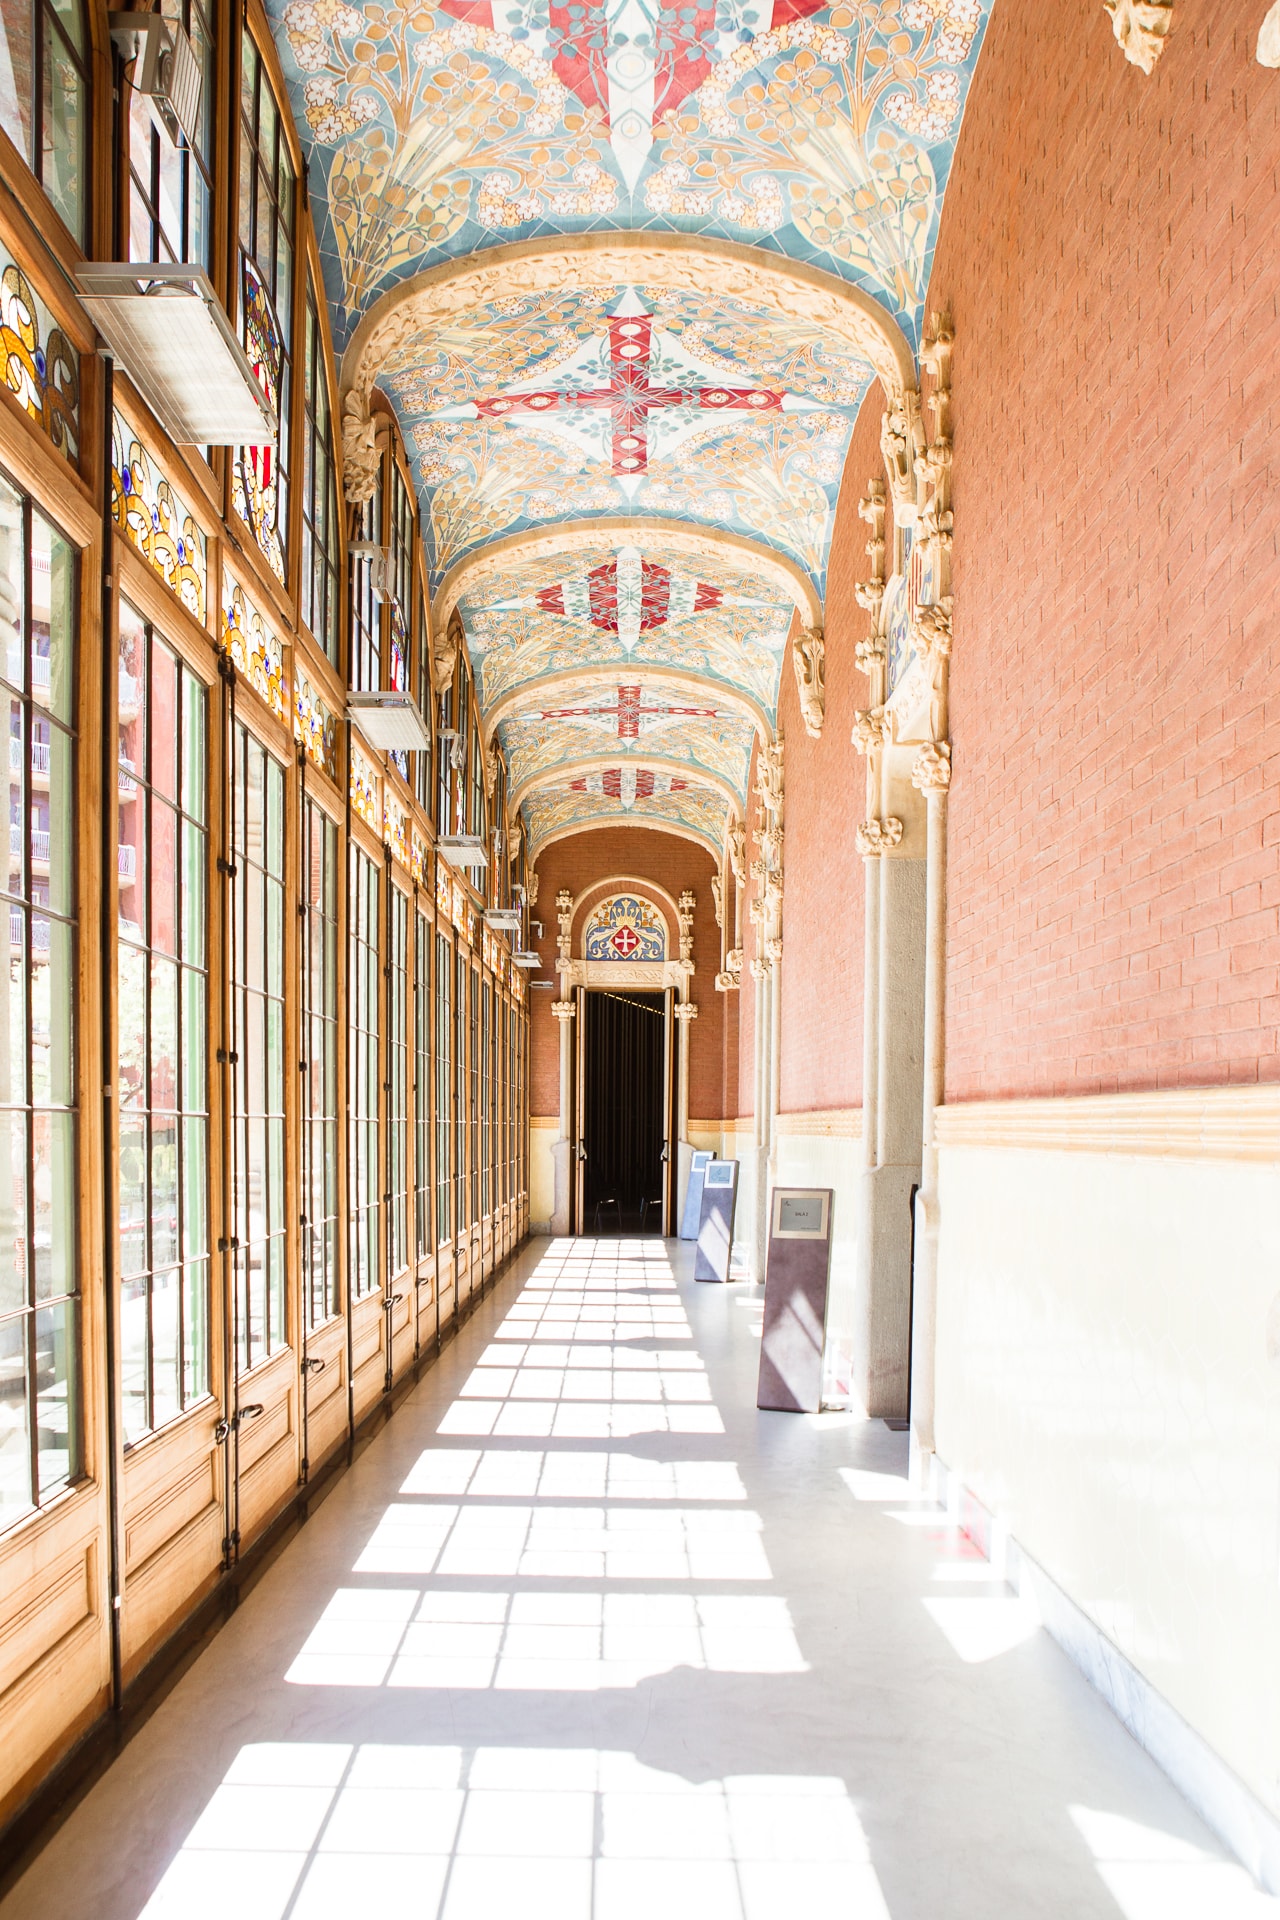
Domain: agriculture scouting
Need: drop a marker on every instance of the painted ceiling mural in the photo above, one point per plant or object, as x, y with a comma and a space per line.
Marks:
604, 407
826, 133
563, 405
622, 604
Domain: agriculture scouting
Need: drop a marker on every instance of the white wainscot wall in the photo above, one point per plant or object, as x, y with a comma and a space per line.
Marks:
1108, 1386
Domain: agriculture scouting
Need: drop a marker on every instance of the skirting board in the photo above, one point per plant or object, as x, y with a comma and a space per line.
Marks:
1217, 1794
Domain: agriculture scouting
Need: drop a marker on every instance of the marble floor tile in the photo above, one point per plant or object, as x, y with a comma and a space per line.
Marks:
583, 1634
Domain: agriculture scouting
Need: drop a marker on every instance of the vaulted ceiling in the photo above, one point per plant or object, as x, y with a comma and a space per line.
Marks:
625, 273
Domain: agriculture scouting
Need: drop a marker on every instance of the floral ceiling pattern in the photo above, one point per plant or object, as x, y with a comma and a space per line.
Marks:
604, 405
825, 132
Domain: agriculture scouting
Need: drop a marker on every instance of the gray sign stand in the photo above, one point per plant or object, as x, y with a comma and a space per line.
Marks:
795, 1300
715, 1221
693, 1198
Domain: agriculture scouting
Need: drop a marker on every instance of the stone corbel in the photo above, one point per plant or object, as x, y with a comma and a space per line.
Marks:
563, 1009
731, 979
361, 455
444, 652
771, 839
1140, 27
808, 656
531, 885
870, 654
685, 1010
901, 438
492, 763
737, 844
717, 899
879, 836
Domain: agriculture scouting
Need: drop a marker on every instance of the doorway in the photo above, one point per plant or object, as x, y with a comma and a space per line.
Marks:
626, 1104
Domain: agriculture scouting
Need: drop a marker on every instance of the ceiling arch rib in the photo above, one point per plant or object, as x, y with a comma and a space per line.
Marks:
649, 772
552, 815
505, 560
577, 685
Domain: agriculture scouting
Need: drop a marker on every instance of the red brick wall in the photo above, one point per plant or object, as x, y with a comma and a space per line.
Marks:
822, 902
1108, 250
672, 864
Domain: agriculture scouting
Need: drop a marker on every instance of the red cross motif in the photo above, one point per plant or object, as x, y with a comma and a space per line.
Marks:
628, 712
655, 596
625, 940
630, 397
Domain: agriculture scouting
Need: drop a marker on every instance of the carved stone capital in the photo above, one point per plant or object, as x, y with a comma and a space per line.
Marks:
1140, 27
878, 836
869, 594
445, 649
869, 653
727, 983
563, 1009
769, 776
773, 948
532, 883
932, 770
870, 729
759, 969
685, 1010
564, 900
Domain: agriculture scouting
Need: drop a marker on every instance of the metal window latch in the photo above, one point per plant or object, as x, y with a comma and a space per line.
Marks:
312, 1365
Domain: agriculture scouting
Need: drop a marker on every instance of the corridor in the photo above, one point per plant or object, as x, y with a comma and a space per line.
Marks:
584, 1635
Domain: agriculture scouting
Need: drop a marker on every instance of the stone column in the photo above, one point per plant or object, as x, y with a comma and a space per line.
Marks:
932, 775
562, 1152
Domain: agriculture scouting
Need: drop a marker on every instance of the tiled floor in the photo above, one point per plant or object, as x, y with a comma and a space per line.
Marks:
585, 1635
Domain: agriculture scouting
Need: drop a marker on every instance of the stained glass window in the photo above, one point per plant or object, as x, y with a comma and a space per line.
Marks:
162, 996
260, 480
171, 183
319, 581
39, 1037
257, 1044
422, 761
364, 1171
320, 873
44, 99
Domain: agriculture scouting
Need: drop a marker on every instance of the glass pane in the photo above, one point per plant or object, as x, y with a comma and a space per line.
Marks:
193, 746
164, 1192
15, 1436
133, 1357
131, 1018
53, 816
13, 1215
13, 869
195, 1187
195, 1317
12, 551
53, 601
131, 864
132, 1176
195, 1096
52, 1015
64, 133
56, 1414
275, 817
275, 937
53, 1138
164, 876
13, 1013
193, 883
164, 721
166, 1358
164, 1033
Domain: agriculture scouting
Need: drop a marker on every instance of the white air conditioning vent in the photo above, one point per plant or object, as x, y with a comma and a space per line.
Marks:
463, 850
165, 69
379, 563
167, 329
391, 722
524, 957
503, 919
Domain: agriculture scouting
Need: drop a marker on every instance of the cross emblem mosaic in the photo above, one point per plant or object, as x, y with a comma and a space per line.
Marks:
628, 711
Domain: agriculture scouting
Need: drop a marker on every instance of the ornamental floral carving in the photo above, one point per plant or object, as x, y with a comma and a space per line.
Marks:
879, 836
932, 770
1140, 27
769, 776
737, 844
870, 729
